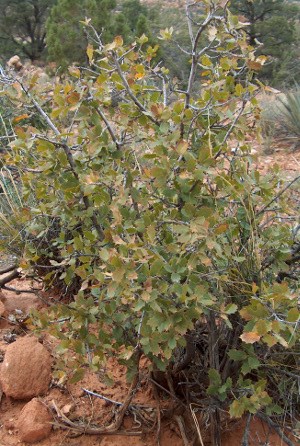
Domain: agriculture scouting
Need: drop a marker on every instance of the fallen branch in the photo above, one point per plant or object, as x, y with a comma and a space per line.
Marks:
17, 291
9, 268
13, 275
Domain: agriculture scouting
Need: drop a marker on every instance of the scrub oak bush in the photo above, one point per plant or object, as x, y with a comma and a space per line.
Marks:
174, 245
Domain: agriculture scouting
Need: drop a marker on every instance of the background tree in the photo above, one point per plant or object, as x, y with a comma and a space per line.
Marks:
22, 27
134, 13
66, 41
272, 23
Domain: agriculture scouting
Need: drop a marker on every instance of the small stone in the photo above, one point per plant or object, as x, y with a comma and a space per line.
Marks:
67, 409
34, 423
26, 369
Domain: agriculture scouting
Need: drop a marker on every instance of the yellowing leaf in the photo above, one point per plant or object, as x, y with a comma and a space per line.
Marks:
221, 228
145, 296
166, 34
74, 72
73, 98
239, 89
245, 313
132, 275
250, 337
90, 52
140, 71
142, 39
20, 118
281, 340
118, 240
269, 340
255, 65
205, 60
118, 274
236, 409
293, 315
262, 326
118, 40
182, 147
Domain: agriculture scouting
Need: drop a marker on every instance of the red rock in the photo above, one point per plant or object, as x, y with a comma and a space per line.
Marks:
3, 314
2, 309
34, 423
26, 369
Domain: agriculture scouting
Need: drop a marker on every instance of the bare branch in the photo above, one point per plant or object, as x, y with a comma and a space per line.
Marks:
279, 194
245, 439
232, 127
130, 92
109, 127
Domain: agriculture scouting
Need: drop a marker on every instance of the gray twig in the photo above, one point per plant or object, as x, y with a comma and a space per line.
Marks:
98, 395
245, 439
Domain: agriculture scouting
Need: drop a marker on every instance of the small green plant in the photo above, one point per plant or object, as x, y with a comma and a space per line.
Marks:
175, 246
11, 204
289, 115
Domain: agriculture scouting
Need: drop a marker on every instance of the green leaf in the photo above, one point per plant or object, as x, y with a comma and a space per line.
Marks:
237, 355
293, 315
205, 60
175, 277
237, 409
77, 375
231, 309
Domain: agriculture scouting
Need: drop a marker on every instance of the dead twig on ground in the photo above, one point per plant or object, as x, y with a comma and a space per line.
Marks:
7, 269
196, 424
276, 428
64, 422
13, 275
158, 429
181, 426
